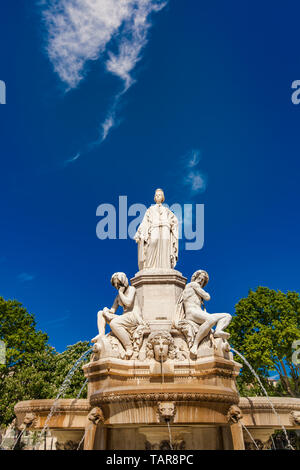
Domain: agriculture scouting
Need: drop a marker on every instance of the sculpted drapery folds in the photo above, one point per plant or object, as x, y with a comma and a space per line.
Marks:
157, 236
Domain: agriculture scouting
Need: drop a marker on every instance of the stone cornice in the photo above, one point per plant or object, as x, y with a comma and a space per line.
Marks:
63, 405
261, 403
106, 398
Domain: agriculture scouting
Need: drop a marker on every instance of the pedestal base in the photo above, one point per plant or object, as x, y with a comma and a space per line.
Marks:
158, 291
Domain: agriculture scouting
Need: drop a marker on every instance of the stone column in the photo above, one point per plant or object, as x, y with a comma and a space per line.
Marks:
234, 417
237, 436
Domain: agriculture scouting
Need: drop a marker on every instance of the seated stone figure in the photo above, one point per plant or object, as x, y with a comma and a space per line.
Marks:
192, 300
129, 326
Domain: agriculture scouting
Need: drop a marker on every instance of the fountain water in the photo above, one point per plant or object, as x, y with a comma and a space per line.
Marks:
250, 435
266, 394
83, 437
162, 370
64, 387
81, 390
170, 435
19, 438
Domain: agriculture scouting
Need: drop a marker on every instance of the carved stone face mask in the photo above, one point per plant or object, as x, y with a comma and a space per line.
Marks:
161, 349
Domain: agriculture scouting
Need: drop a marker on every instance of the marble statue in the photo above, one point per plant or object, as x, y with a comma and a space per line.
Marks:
193, 316
157, 236
128, 327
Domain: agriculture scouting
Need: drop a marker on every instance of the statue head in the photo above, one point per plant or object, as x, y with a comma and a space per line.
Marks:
159, 196
119, 280
29, 421
201, 277
160, 346
234, 414
295, 418
166, 410
96, 416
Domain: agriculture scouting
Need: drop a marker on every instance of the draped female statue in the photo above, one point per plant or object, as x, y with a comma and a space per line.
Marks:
157, 236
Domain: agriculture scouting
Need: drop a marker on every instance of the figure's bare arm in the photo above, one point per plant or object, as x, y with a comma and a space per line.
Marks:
115, 305
127, 299
200, 292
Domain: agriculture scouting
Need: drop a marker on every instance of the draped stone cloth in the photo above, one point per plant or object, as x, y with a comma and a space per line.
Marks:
157, 237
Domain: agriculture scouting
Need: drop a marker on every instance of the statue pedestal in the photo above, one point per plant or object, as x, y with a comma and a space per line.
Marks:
138, 401
158, 291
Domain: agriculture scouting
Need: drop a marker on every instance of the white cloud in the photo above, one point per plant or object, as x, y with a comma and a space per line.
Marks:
25, 277
193, 178
73, 159
108, 124
83, 30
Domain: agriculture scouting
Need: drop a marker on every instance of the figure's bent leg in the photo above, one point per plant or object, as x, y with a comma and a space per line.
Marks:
120, 332
203, 331
221, 325
205, 321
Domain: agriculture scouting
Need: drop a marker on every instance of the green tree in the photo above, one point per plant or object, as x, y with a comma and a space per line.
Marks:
63, 364
266, 324
28, 361
33, 369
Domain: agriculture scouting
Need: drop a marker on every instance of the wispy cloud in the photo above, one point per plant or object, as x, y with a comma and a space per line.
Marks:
61, 319
73, 159
115, 31
25, 277
193, 178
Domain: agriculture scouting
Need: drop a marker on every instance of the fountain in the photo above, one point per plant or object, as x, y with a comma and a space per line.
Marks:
164, 376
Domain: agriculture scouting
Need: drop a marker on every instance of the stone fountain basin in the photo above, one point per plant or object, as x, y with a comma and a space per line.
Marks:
66, 425
70, 419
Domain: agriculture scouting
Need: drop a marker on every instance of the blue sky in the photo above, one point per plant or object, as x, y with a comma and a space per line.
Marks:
213, 77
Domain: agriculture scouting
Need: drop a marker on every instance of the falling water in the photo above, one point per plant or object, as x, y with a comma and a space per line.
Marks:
19, 437
81, 390
83, 437
162, 370
273, 442
170, 435
250, 435
6, 436
63, 388
265, 392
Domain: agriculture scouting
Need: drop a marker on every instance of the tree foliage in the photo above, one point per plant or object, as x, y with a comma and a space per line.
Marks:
63, 364
33, 369
266, 324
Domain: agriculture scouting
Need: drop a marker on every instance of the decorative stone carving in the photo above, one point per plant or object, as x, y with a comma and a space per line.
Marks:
157, 236
96, 416
166, 411
194, 321
234, 414
28, 421
68, 445
295, 418
161, 346
127, 329
177, 444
